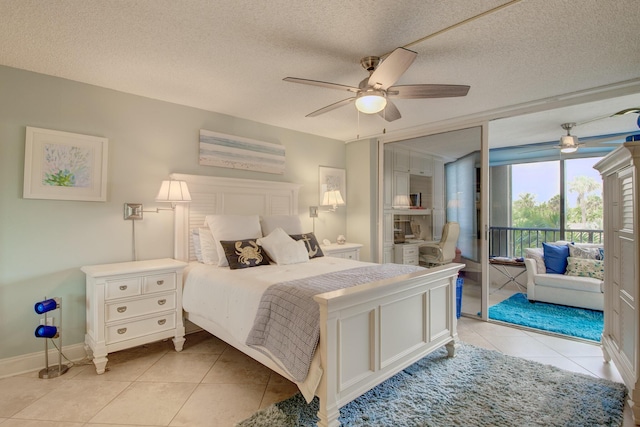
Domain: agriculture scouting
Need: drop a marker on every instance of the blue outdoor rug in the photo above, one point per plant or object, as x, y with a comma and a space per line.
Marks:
575, 322
477, 387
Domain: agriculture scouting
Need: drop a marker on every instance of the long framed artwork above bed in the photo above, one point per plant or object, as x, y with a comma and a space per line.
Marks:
367, 332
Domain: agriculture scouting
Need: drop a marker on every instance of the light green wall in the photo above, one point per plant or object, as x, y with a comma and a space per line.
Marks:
362, 190
43, 243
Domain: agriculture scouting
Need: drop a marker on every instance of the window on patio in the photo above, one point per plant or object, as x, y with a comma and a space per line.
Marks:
544, 201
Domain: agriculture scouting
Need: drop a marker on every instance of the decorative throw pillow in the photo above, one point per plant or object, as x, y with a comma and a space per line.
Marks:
244, 253
282, 249
232, 227
208, 250
584, 252
310, 242
537, 254
555, 258
585, 267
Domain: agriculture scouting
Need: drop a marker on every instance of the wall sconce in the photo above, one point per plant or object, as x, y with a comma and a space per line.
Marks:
332, 198
313, 214
171, 191
49, 331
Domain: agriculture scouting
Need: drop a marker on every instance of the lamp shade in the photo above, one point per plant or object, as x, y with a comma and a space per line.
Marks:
332, 198
174, 192
46, 305
401, 202
371, 102
46, 331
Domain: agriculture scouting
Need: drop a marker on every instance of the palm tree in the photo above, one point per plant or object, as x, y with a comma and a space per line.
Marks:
583, 185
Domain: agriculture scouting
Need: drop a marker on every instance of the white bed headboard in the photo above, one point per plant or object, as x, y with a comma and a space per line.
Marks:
230, 196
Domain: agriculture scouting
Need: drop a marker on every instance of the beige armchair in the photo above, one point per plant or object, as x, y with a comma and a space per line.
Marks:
444, 251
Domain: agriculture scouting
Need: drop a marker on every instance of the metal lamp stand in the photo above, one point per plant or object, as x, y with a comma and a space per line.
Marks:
56, 370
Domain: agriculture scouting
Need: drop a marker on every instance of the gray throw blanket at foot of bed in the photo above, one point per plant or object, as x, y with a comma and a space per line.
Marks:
287, 324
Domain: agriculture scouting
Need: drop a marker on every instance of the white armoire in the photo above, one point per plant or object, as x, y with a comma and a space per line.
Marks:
620, 338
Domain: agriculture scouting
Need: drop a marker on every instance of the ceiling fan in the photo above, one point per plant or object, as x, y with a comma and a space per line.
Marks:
373, 93
568, 143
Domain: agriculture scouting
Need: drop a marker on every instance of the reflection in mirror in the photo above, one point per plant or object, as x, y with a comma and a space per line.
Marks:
438, 177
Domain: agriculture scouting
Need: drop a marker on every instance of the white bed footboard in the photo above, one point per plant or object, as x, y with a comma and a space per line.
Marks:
368, 332
372, 331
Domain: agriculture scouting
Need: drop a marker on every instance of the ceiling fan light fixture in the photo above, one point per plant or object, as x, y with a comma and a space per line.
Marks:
568, 144
371, 102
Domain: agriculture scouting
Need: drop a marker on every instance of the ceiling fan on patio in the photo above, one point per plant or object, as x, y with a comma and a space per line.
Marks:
568, 143
374, 93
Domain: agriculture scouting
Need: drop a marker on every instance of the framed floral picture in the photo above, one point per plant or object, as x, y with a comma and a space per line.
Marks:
332, 181
65, 166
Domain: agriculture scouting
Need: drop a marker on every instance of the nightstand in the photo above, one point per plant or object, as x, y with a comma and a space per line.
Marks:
132, 303
347, 250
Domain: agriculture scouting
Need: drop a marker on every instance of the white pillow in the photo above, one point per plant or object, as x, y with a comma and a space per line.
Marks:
232, 227
282, 249
537, 254
197, 249
208, 250
289, 223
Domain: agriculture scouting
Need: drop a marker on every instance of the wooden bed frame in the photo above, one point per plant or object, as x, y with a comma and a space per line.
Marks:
368, 332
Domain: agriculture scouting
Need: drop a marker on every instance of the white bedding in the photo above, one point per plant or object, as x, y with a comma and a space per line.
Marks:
230, 298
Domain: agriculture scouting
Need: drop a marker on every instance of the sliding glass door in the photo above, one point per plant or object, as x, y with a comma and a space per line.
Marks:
429, 182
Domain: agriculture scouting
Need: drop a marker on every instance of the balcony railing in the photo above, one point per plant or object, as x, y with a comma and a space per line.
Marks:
512, 241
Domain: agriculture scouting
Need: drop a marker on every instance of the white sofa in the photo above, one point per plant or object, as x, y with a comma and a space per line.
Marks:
564, 289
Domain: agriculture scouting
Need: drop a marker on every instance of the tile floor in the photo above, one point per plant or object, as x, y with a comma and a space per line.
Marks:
211, 384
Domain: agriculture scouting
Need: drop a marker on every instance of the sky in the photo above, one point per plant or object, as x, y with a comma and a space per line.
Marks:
543, 179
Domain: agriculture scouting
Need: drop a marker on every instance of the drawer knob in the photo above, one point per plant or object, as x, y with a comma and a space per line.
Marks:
160, 282
122, 331
122, 309
123, 287
162, 301
162, 321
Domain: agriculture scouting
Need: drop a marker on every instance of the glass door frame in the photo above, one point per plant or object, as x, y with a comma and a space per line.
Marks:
484, 198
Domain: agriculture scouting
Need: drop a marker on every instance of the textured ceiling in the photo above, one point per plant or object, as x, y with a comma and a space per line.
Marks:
230, 56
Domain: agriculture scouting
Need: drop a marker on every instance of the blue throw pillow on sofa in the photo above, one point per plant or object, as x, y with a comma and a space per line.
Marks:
555, 258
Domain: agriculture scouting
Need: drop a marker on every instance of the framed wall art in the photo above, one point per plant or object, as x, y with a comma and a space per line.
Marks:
331, 179
226, 151
65, 166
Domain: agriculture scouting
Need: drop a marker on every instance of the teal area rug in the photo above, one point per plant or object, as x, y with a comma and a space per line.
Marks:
477, 387
575, 322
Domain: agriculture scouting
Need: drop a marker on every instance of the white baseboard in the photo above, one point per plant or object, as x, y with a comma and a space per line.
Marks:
35, 361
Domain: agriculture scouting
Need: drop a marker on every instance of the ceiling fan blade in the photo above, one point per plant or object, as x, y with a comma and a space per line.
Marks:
603, 139
390, 70
390, 112
427, 91
331, 107
322, 84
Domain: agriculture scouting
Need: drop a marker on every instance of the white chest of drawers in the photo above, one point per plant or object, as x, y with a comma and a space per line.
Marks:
132, 303
406, 253
346, 250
